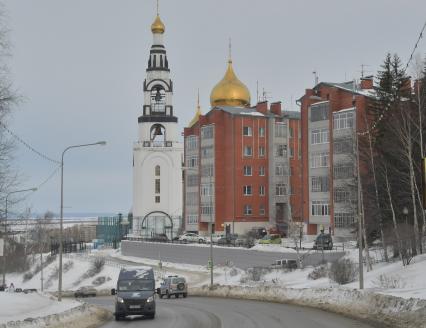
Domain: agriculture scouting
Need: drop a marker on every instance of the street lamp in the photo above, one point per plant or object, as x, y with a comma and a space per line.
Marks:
5, 229
405, 212
61, 225
210, 223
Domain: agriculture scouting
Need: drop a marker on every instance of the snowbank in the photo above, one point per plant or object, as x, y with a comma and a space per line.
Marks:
363, 305
35, 310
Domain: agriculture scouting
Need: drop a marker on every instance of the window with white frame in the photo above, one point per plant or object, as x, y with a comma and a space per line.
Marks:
344, 220
157, 170
281, 151
261, 131
191, 198
207, 170
191, 142
280, 189
248, 151
319, 184
207, 152
247, 191
344, 120
207, 131
343, 146
261, 190
192, 180
319, 136
261, 171
248, 210
319, 112
343, 171
247, 170
192, 219
206, 189
279, 170
261, 151
206, 209
247, 131
342, 195
320, 208
280, 130
262, 209
192, 161
319, 160
157, 186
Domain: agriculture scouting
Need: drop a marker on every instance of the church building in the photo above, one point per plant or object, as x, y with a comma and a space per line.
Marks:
158, 153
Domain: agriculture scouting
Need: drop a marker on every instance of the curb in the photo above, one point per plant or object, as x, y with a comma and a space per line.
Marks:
394, 312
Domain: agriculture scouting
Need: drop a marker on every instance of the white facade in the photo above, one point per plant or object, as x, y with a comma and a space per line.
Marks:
158, 153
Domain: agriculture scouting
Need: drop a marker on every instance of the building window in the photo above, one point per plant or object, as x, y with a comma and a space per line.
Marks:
280, 130
279, 170
247, 131
247, 191
281, 150
248, 210
344, 220
207, 152
261, 132
290, 130
319, 136
343, 146
192, 219
206, 209
319, 184
157, 171
192, 180
343, 120
207, 132
280, 189
291, 152
207, 170
343, 171
248, 151
319, 112
261, 171
319, 160
157, 199
262, 190
191, 198
191, 142
247, 170
262, 151
342, 195
157, 186
206, 189
320, 208
192, 161
262, 209
300, 149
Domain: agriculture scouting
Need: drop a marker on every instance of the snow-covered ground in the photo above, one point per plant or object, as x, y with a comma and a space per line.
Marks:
19, 306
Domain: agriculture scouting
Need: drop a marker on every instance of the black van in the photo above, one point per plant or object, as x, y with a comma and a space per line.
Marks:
135, 293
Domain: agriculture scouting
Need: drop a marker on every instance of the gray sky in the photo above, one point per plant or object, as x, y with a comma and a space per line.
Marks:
80, 65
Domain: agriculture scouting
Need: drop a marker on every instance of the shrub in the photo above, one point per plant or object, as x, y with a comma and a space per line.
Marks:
318, 272
343, 271
389, 281
233, 272
254, 274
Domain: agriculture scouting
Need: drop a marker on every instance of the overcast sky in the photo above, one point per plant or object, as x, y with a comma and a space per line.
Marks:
80, 66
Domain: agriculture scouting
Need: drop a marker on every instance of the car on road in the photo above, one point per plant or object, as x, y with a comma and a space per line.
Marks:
193, 238
135, 293
271, 239
323, 241
173, 285
284, 263
85, 291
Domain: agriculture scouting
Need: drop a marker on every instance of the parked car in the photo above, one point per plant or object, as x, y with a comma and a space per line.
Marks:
85, 291
161, 237
228, 239
244, 241
257, 232
215, 238
30, 290
3, 287
284, 263
173, 285
323, 241
192, 237
271, 239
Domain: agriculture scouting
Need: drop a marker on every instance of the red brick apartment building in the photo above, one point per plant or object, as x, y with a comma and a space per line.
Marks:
242, 163
331, 114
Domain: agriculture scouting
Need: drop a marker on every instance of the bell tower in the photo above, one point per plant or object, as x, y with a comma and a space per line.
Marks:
157, 155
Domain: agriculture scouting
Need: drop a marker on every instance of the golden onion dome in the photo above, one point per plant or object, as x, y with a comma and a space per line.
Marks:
230, 91
158, 26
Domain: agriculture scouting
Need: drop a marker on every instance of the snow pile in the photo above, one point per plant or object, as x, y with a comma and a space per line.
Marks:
36, 310
391, 310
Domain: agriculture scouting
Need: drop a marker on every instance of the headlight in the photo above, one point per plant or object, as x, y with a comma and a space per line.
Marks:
150, 299
119, 300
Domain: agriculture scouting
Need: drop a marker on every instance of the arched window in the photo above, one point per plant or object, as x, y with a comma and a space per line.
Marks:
157, 171
158, 100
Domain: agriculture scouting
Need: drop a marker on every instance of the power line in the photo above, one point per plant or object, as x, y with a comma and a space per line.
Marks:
47, 158
49, 177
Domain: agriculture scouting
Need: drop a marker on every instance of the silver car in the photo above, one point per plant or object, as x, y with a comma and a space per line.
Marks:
85, 291
173, 285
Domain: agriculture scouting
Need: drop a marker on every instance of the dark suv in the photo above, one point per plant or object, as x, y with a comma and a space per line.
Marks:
323, 241
173, 285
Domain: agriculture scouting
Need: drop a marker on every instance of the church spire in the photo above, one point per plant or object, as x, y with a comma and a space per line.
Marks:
158, 26
197, 112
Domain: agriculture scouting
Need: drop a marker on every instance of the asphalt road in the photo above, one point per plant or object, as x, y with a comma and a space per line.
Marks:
241, 258
196, 312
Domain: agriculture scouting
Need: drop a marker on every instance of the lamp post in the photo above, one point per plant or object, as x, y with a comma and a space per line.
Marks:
405, 212
5, 229
61, 224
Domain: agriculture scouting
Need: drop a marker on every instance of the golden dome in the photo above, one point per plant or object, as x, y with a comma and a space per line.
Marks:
158, 26
230, 91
